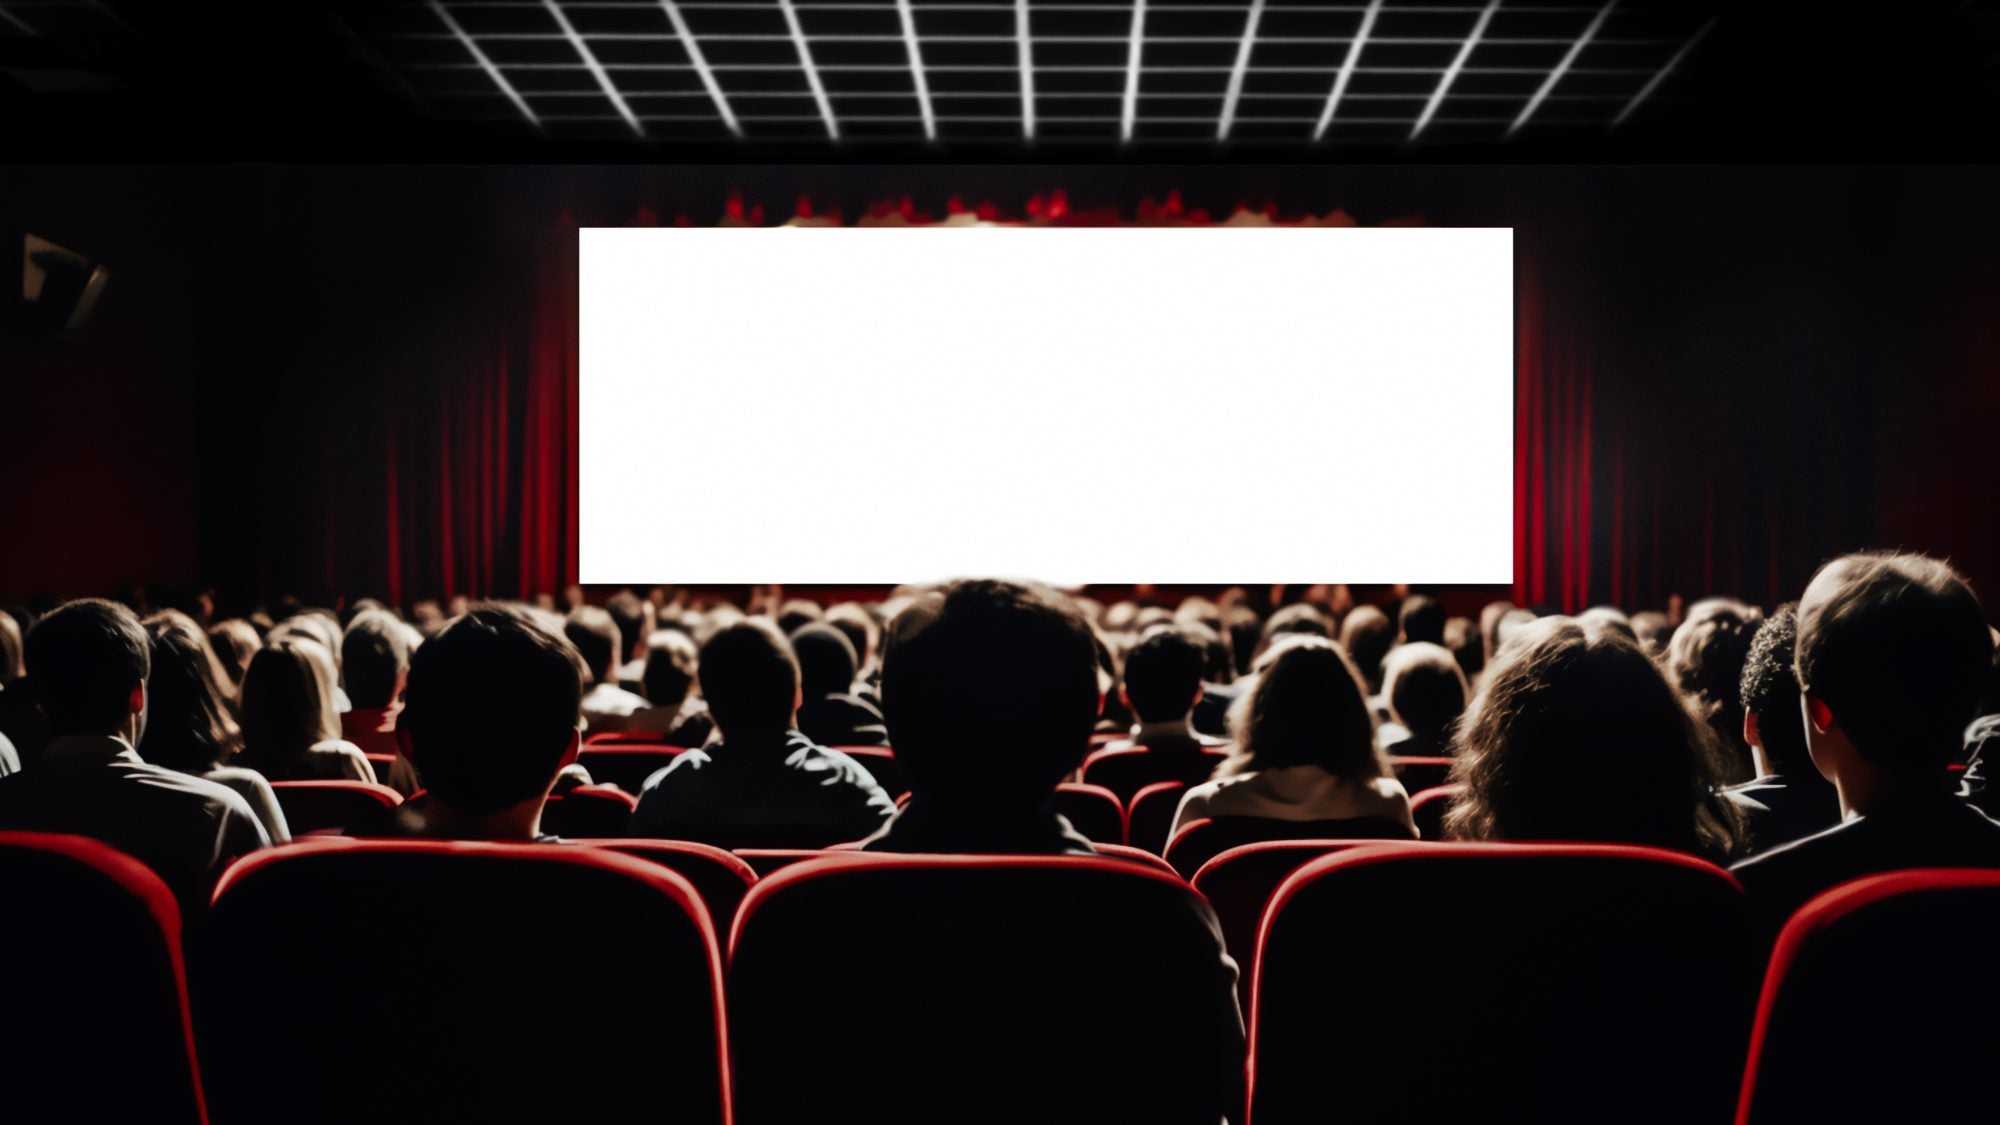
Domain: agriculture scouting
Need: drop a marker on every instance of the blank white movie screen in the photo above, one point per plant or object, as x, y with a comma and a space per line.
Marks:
1075, 405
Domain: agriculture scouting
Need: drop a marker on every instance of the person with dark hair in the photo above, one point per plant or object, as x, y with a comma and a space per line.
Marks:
1164, 684
1705, 658
235, 641
1577, 735
865, 635
1305, 746
1219, 689
188, 724
1366, 637
1420, 621
1461, 636
375, 661
1244, 630
1982, 743
629, 612
607, 706
492, 712
19, 721
764, 773
797, 613
89, 662
1426, 693
668, 685
1787, 799
1489, 629
1892, 656
290, 729
1654, 630
830, 712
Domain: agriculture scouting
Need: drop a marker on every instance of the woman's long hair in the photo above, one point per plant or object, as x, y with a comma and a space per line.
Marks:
1577, 735
1307, 708
287, 705
188, 722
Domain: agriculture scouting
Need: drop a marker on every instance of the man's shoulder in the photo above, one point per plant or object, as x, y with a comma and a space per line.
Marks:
1805, 853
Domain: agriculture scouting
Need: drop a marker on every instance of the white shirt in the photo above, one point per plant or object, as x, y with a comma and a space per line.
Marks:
609, 707
1296, 793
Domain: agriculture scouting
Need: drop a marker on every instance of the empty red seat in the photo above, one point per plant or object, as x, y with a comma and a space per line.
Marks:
1879, 1006
626, 765
333, 806
881, 764
1093, 811
996, 959
589, 812
1567, 983
1418, 773
722, 878
1127, 770
1149, 816
93, 997
1240, 882
1428, 806
1199, 841
490, 1016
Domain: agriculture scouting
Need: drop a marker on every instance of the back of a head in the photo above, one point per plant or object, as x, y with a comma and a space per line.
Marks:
750, 678
12, 664
1576, 735
1367, 635
188, 726
287, 703
1421, 620
235, 641
859, 627
1654, 631
796, 614
1705, 659
671, 661
595, 634
1163, 675
1309, 707
1898, 649
990, 690
373, 657
1461, 636
628, 614
84, 659
1770, 691
1298, 617
1426, 688
312, 625
493, 703
827, 660
1489, 626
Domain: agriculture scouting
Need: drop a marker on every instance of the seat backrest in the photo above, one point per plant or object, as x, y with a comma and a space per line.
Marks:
1093, 811
765, 861
1879, 1005
1150, 815
625, 738
1420, 772
589, 812
322, 806
721, 877
1134, 855
93, 994
1239, 884
626, 765
1126, 770
493, 1014
1004, 965
1199, 841
881, 764
1428, 806
1560, 983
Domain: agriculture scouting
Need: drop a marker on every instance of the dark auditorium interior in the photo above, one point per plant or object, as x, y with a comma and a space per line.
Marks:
332, 789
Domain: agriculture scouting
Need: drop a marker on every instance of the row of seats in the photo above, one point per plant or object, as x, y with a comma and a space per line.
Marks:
1412, 982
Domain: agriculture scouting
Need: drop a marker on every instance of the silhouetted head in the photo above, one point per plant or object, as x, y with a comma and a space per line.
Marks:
750, 679
1461, 636
235, 641
1307, 708
87, 666
859, 627
188, 724
796, 614
990, 689
287, 705
1367, 636
1769, 694
493, 710
827, 660
1489, 626
1426, 689
1163, 675
1653, 631
12, 664
1705, 660
374, 657
595, 635
671, 665
1421, 620
628, 613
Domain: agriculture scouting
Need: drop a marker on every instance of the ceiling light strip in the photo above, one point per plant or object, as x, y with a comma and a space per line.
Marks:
1347, 66
485, 64
1562, 68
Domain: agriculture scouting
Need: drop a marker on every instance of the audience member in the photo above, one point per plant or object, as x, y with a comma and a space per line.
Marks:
1705, 659
375, 659
764, 773
1163, 686
1654, 630
865, 635
1461, 636
1892, 656
1420, 621
235, 641
89, 662
1305, 746
188, 725
1982, 743
607, 706
1577, 735
1788, 798
22, 727
668, 685
488, 769
830, 712
1426, 693
290, 729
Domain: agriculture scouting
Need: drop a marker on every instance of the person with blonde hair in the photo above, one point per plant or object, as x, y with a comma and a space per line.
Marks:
290, 729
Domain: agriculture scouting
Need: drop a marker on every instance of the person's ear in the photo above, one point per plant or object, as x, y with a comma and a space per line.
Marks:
402, 681
1819, 714
136, 704
570, 752
798, 697
1199, 691
1750, 730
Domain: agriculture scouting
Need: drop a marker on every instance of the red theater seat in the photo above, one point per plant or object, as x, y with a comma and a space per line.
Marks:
625, 738
626, 765
1150, 815
765, 861
495, 1015
1879, 1006
1199, 841
1572, 983
1093, 811
381, 764
880, 762
1239, 884
332, 806
1428, 806
1126, 771
722, 878
93, 998
1134, 855
997, 958
1419, 773
589, 812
